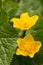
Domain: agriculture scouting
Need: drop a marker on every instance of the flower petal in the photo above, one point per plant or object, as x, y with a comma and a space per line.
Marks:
37, 46
25, 22
16, 22
14, 19
30, 54
20, 52
33, 21
25, 16
28, 37
20, 43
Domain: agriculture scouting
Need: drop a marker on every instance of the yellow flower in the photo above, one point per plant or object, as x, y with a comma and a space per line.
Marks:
25, 22
28, 46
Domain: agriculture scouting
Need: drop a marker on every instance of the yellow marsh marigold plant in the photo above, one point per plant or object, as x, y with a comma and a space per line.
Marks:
28, 46
25, 22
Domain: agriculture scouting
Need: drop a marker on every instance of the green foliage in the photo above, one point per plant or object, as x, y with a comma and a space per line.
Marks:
9, 35
7, 49
9, 5
0, 5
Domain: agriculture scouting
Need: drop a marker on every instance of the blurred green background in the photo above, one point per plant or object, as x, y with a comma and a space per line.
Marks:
9, 35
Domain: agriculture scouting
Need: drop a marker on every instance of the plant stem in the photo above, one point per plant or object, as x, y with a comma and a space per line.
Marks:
24, 33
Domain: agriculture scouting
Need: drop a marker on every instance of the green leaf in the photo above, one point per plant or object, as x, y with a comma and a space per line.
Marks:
0, 5
16, 1
8, 37
3, 17
31, 6
21, 60
7, 49
6, 28
8, 5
